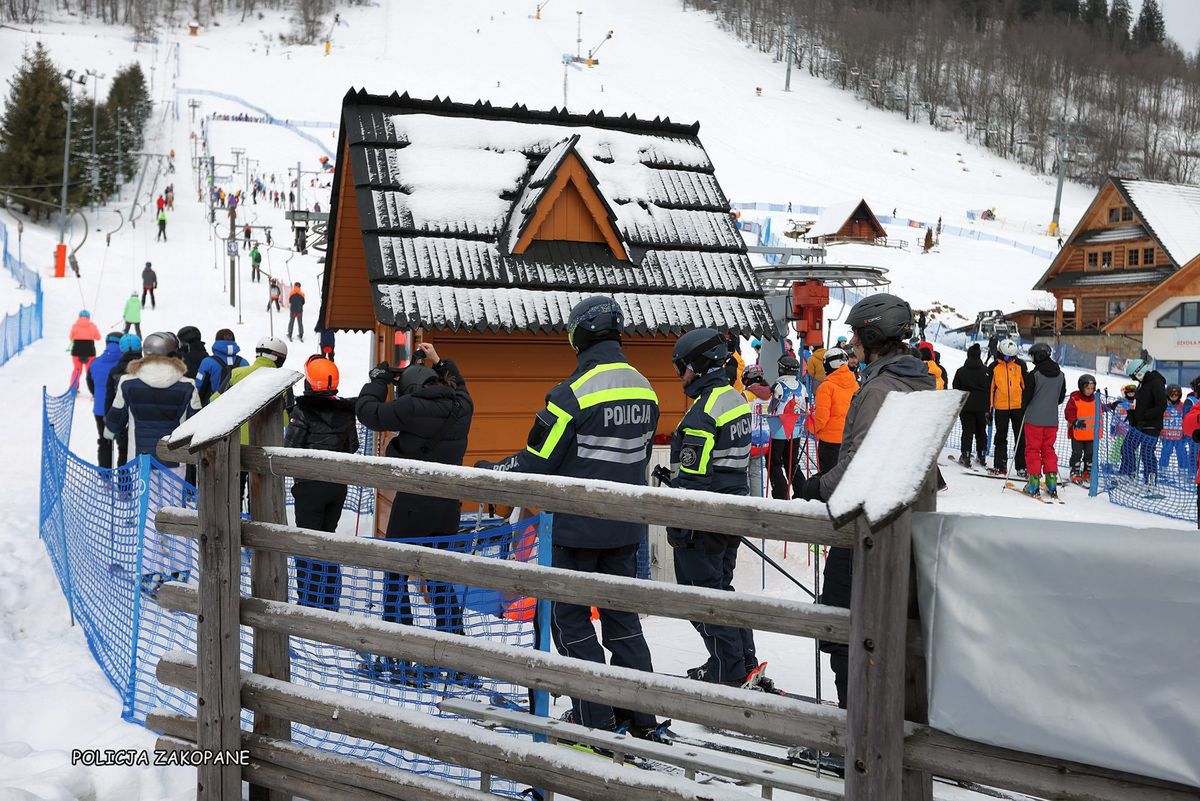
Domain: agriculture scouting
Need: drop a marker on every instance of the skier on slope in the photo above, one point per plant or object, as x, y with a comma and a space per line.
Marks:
97, 378
296, 311
216, 371
255, 263
131, 351
1081, 416
149, 284
162, 227
1007, 407
710, 450
1045, 389
191, 349
788, 404
881, 323
1172, 431
758, 394
972, 378
84, 336
1146, 416
573, 436
1125, 443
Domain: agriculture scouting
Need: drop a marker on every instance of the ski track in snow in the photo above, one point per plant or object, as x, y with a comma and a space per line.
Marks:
816, 145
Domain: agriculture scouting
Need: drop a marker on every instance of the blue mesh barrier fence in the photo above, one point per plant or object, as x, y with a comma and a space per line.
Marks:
359, 500
18, 331
98, 528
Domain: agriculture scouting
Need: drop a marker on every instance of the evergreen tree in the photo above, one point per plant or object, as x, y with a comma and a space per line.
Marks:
128, 108
928, 240
1119, 18
1149, 30
32, 131
1094, 13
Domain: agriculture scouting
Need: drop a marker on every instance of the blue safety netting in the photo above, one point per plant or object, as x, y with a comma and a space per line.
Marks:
19, 330
98, 527
359, 500
1136, 470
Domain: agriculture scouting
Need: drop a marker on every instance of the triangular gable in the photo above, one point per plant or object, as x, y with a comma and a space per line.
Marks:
1064, 253
563, 202
837, 216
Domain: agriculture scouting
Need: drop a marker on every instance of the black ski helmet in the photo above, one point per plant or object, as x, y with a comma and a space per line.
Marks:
700, 349
593, 320
1085, 379
414, 377
880, 318
789, 365
160, 343
1195, 385
1039, 352
1174, 388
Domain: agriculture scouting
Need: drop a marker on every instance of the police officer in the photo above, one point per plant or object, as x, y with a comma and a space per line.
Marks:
599, 423
710, 450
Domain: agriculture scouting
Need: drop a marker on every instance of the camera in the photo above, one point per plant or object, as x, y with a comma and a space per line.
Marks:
418, 355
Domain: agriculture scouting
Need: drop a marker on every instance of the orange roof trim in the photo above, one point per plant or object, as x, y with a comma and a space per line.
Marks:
571, 209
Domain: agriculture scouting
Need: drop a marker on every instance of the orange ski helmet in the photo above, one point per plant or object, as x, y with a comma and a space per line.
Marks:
321, 374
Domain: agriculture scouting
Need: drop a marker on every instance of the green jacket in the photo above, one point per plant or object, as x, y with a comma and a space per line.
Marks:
133, 310
239, 373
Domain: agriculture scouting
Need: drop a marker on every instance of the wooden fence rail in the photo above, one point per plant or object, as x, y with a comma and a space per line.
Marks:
887, 758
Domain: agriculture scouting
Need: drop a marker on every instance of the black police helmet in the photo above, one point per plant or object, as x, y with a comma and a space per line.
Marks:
593, 320
880, 318
700, 349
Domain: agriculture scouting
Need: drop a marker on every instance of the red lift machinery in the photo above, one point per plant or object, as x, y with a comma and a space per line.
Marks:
809, 299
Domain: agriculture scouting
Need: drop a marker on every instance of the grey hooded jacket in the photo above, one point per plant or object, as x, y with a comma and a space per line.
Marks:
895, 373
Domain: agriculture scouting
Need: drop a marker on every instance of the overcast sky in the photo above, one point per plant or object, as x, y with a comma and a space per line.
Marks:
1183, 21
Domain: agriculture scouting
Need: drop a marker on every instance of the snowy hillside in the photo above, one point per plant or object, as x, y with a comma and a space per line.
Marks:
815, 145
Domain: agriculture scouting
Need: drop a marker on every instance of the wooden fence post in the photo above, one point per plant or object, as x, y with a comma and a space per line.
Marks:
918, 785
879, 613
218, 646
268, 579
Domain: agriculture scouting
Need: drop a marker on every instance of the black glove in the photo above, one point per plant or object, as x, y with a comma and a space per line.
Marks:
381, 372
1196, 435
987, 418
484, 464
809, 489
662, 474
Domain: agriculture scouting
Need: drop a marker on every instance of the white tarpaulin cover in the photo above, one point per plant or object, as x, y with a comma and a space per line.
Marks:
1074, 641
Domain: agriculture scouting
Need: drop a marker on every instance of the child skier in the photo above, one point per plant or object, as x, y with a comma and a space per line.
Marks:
149, 284
1081, 428
162, 226
1120, 429
84, 336
758, 394
789, 400
1045, 389
1172, 431
255, 263
133, 314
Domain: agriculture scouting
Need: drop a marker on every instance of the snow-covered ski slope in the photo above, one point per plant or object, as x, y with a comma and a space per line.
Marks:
814, 145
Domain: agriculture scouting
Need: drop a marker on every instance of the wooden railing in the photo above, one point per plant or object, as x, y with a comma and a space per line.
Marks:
888, 758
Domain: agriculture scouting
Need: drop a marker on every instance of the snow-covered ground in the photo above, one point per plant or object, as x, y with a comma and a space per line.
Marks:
814, 145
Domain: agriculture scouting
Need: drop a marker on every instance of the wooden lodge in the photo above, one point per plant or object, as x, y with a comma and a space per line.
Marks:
848, 221
477, 228
1135, 236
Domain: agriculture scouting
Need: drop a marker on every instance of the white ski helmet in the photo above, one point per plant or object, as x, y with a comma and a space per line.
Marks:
1008, 347
834, 358
273, 347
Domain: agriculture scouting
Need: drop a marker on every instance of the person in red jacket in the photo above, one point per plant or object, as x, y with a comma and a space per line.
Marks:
1191, 428
84, 336
1081, 428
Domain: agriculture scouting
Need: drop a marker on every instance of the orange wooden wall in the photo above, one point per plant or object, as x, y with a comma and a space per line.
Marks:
349, 302
569, 220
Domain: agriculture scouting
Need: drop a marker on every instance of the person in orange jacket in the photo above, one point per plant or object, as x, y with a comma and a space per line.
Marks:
84, 336
1006, 400
927, 354
828, 416
1191, 428
1081, 428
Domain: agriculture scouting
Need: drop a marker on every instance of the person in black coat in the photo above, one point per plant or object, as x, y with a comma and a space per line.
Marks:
431, 415
192, 349
320, 420
1146, 416
973, 379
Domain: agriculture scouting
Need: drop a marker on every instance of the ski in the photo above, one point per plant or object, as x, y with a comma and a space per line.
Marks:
1046, 499
796, 758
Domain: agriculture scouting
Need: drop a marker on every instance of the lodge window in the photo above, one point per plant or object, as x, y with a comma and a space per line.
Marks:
1115, 307
1132, 261
1183, 315
1114, 215
1148, 256
1093, 260
1106, 262
1126, 214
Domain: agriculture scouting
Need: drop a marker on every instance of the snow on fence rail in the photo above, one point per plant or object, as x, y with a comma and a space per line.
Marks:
19, 330
888, 759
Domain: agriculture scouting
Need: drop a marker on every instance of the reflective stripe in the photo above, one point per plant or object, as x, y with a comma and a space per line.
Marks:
605, 383
622, 443
732, 453
552, 439
705, 455
617, 457
737, 462
725, 405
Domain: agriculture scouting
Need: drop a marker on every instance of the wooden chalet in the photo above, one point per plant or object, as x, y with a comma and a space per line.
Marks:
477, 228
851, 220
1135, 236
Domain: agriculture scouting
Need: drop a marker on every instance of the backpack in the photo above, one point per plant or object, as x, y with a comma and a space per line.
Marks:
226, 375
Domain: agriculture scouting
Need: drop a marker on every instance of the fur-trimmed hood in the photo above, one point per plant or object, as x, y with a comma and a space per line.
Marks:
158, 371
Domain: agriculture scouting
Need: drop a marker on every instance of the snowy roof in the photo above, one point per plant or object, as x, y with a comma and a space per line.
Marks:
1108, 278
834, 217
1170, 211
1124, 233
445, 189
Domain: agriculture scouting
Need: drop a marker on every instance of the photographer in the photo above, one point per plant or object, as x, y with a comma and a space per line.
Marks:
431, 415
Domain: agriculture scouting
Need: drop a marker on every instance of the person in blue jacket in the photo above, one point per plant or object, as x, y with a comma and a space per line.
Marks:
710, 450
599, 423
215, 371
97, 383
